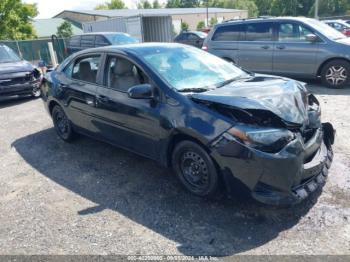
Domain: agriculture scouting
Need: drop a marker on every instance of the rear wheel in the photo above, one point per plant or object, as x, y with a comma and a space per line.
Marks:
336, 74
195, 169
62, 124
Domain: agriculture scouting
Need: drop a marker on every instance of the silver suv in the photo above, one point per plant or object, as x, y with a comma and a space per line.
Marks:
295, 47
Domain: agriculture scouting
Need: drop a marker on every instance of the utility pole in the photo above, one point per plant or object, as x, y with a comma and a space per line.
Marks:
207, 13
316, 8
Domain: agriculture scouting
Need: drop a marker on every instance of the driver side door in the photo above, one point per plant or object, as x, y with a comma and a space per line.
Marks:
129, 123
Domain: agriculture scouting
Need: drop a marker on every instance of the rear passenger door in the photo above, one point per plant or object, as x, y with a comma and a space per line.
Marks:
255, 51
294, 55
78, 83
224, 42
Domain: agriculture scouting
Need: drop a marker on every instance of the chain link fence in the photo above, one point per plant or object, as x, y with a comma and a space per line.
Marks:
37, 50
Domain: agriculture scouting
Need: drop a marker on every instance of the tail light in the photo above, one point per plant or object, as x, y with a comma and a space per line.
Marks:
346, 32
205, 47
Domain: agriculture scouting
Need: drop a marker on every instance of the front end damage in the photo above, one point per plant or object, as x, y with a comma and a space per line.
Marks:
279, 162
20, 83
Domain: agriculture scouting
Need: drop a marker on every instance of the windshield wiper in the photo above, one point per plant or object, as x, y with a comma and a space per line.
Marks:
195, 89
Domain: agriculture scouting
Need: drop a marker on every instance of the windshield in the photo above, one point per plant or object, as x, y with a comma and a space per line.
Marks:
8, 55
325, 29
121, 39
187, 68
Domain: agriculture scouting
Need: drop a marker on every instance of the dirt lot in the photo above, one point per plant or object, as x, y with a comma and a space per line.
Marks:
90, 198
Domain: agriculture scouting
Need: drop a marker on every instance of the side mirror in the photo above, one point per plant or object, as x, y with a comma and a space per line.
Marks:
144, 91
311, 38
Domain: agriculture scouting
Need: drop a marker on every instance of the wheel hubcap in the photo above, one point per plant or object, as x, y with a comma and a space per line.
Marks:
195, 170
62, 123
336, 75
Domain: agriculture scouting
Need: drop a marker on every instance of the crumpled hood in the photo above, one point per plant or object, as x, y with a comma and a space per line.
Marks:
284, 97
15, 67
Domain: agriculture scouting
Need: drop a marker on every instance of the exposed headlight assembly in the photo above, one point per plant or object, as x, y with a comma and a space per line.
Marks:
270, 140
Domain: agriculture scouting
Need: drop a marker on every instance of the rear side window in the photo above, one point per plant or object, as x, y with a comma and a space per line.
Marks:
85, 69
74, 41
101, 41
88, 41
228, 33
259, 32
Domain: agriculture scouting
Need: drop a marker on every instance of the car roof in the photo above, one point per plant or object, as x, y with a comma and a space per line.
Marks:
130, 48
266, 19
103, 33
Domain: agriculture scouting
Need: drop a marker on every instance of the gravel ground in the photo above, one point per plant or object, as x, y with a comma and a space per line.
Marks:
91, 198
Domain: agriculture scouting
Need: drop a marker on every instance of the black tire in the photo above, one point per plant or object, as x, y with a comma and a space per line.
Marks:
62, 124
336, 74
195, 169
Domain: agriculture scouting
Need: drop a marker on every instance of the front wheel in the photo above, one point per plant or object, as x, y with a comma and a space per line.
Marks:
62, 124
336, 74
36, 92
195, 169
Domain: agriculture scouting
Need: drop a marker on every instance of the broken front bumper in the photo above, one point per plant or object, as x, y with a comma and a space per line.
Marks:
282, 178
19, 89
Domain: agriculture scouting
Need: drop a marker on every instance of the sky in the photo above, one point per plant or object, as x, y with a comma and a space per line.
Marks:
50, 8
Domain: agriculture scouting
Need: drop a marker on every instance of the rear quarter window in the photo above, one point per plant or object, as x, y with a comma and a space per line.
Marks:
88, 41
74, 41
229, 33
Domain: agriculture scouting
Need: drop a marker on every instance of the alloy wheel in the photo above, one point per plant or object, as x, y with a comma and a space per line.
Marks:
336, 75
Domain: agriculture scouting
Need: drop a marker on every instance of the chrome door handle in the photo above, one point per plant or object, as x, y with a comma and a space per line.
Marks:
265, 47
280, 47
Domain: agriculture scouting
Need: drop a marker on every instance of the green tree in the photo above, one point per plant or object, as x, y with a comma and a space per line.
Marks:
331, 7
235, 4
65, 30
144, 4
15, 17
200, 25
112, 4
213, 21
156, 4
184, 26
183, 3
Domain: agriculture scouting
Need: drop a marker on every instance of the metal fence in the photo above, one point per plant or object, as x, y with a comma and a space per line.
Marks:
38, 50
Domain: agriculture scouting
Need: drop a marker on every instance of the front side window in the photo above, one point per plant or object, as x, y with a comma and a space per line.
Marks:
85, 69
228, 33
190, 68
292, 32
259, 32
101, 41
121, 74
192, 37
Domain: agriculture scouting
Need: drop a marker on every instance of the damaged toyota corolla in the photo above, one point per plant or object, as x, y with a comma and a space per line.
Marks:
220, 128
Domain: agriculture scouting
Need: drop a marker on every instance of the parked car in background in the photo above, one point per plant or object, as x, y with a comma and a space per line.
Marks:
339, 25
90, 40
221, 129
193, 38
295, 47
17, 77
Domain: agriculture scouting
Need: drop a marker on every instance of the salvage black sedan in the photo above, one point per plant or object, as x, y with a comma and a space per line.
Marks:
17, 77
221, 129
